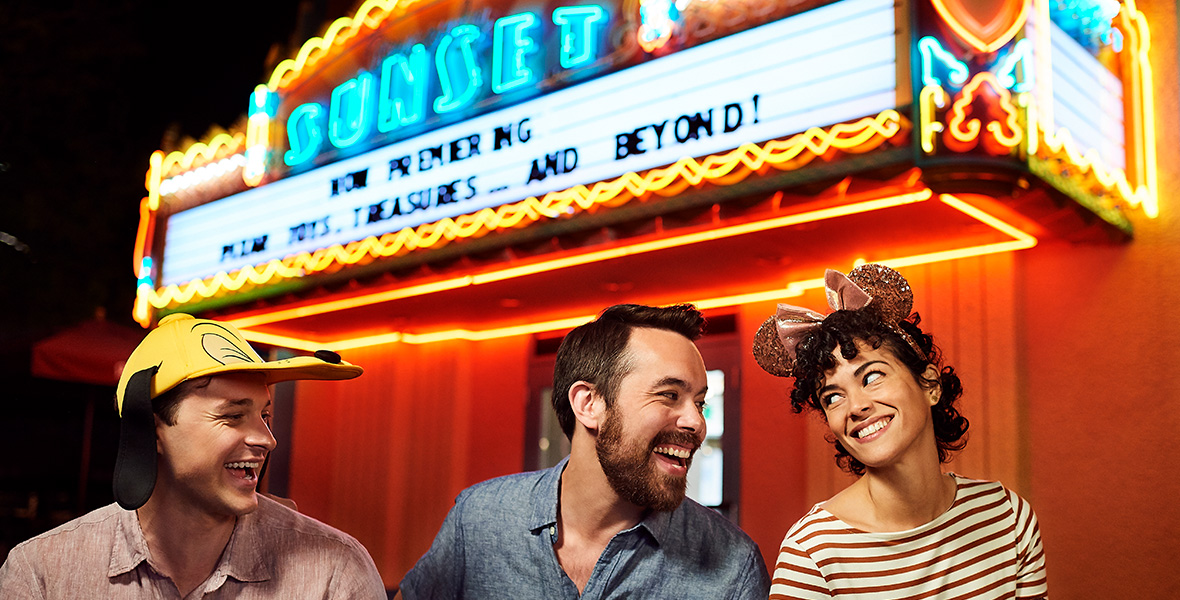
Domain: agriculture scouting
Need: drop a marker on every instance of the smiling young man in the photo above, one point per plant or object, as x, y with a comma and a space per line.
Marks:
611, 521
188, 523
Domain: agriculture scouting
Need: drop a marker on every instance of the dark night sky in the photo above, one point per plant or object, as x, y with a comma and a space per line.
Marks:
87, 91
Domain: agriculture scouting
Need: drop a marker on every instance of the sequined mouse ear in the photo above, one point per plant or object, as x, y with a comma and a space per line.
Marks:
770, 353
893, 300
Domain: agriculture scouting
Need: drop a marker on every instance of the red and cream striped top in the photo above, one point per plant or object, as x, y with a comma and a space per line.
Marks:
986, 545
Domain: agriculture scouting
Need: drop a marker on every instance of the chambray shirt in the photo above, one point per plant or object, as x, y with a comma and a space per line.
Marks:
497, 542
274, 552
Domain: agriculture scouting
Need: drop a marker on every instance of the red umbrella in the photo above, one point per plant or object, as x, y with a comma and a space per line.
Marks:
93, 351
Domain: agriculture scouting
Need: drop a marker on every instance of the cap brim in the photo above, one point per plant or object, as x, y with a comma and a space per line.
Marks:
289, 369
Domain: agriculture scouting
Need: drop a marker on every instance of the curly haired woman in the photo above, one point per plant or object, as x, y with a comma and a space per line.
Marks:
904, 528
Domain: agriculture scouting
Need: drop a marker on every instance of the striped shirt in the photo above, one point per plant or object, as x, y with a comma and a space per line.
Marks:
986, 545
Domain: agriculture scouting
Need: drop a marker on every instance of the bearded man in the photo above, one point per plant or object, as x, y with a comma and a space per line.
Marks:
611, 520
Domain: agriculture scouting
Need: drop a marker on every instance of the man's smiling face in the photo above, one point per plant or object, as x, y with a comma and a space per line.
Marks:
211, 458
648, 436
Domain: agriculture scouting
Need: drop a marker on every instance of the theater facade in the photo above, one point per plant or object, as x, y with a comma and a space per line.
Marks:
438, 190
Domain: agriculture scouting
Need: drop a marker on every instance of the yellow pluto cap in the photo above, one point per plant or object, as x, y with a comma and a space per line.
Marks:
184, 347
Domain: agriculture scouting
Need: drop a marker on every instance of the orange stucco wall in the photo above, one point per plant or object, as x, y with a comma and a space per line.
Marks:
384, 456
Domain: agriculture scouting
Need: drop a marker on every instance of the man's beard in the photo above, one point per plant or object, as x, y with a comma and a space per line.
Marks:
628, 466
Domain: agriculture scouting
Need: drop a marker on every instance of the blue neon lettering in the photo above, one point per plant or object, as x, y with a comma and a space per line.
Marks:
511, 39
579, 40
303, 133
402, 100
469, 79
349, 116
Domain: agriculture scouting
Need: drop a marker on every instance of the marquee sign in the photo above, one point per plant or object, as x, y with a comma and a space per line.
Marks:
398, 128
825, 66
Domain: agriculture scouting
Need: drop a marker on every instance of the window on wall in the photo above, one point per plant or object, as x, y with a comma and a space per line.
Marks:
713, 478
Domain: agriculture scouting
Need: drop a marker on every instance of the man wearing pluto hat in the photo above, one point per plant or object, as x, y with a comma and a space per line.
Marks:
188, 523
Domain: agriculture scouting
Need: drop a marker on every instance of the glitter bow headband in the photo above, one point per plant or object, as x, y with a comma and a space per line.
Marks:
871, 287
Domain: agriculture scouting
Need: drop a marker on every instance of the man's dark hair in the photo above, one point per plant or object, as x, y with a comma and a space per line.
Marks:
597, 351
843, 328
167, 404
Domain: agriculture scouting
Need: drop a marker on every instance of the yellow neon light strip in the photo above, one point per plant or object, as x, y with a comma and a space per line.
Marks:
589, 257
161, 166
930, 98
728, 168
1059, 145
1020, 241
370, 14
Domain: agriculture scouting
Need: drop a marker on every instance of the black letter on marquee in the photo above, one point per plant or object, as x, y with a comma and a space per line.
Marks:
693, 126
627, 144
503, 137
731, 125
401, 165
428, 157
659, 129
446, 193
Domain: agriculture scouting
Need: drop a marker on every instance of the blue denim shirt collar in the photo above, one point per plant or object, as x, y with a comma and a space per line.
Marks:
547, 493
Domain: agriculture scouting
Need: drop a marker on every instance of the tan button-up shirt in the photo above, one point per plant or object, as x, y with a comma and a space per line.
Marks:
274, 552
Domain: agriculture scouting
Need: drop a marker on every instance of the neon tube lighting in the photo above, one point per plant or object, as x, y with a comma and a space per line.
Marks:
1020, 241
589, 257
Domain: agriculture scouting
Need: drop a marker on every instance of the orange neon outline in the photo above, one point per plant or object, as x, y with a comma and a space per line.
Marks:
973, 40
1046, 141
1020, 240
733, 166
585, 258
963, 134
144, 234
1142, 105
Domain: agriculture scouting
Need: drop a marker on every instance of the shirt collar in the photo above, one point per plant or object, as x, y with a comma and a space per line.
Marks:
546, 493
545, 496
129, 547
243, 558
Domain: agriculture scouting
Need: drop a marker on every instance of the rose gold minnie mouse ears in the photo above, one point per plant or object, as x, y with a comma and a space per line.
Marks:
871, 287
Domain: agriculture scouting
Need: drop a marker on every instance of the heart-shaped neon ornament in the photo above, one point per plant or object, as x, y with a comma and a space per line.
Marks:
985, 25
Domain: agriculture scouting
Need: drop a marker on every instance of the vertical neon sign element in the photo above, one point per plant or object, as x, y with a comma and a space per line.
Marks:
933, 53
154, 176
143, 289
351, 111
451, 99
579, 38
262, 110
402, 99
930, 99
1020, 56
303, 132
512, 38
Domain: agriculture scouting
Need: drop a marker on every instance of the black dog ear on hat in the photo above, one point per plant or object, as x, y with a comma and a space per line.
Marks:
135, 466
328, 356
